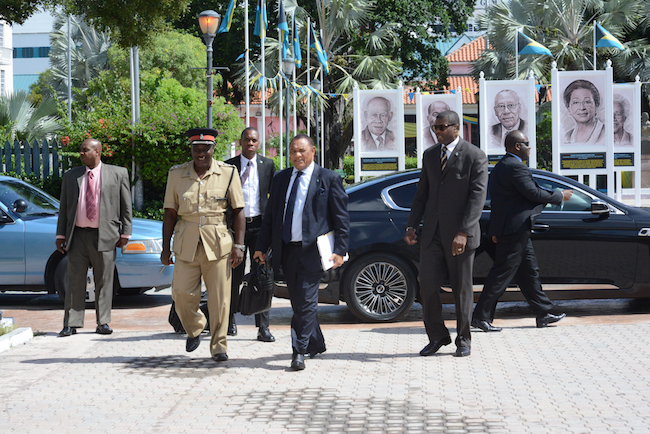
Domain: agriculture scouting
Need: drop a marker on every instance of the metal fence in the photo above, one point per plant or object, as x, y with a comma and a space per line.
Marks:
41, 160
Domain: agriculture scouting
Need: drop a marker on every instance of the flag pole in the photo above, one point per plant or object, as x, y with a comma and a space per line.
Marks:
247, 59
308, 80
293, 29
516, 55
595, 24
280, 40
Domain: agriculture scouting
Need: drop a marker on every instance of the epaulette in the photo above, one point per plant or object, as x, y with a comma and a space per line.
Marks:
179, 166
223, 163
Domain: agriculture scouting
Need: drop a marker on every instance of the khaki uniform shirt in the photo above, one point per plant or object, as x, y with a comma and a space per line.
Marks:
201, 205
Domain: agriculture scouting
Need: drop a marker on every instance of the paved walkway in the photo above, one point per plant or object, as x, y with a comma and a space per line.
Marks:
591, 378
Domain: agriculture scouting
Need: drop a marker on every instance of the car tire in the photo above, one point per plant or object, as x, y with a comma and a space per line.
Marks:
379, 287
60, 276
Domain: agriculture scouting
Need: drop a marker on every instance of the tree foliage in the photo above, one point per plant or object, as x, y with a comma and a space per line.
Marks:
21, 119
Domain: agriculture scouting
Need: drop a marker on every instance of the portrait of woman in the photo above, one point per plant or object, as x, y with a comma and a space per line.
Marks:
621, 113
582, 100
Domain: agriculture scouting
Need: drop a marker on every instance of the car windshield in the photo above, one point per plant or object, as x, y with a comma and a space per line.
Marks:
39, 203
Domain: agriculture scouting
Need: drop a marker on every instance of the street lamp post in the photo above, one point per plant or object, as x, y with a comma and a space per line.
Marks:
209, 23
315, 83
287, 70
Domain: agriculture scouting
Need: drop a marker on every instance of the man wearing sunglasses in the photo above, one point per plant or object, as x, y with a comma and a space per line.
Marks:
450, 198
516, 202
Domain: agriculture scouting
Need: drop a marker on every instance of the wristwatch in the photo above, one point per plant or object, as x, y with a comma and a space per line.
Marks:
410, 227
241, 247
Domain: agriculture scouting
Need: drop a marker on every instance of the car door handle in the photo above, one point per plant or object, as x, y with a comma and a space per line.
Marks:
538, 229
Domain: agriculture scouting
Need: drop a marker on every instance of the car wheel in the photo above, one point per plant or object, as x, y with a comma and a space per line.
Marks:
61, 273
380, 288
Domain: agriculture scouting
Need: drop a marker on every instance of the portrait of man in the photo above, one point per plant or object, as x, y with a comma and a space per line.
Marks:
507, 109
435, 108
377, 115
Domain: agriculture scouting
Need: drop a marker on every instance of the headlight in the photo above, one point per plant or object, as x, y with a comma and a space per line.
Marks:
143, 246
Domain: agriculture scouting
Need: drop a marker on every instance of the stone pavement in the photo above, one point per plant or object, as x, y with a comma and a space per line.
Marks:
591, 378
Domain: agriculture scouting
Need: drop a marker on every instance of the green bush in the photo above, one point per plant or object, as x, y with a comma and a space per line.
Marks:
152, 209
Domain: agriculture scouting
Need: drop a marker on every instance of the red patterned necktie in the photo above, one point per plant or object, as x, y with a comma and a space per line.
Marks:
91, 205
244, 176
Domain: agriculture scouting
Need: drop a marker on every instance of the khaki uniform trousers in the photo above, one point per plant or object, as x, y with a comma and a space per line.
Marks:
186, 292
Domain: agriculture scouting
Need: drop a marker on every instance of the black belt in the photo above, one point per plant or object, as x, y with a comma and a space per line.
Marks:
253, 219
295, 243
86, 229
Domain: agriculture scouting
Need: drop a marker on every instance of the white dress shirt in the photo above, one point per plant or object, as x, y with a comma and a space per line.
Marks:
450, 147
251, 188
301, 196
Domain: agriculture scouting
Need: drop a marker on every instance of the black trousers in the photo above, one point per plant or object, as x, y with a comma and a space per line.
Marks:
514, 258
436, 265
250, 238
306, 335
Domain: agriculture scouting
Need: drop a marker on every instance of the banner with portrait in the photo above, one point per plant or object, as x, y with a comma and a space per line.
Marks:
627, 139
378, 132
582, 125
427, 108
504, 106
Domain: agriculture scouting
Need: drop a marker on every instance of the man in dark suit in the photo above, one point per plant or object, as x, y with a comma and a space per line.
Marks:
94, 218
256, 173
516, 202
507, 108
450, 197
306, 201
376, 136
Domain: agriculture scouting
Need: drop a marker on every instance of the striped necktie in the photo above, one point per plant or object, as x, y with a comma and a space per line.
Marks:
443, 158
244, 176
91, 202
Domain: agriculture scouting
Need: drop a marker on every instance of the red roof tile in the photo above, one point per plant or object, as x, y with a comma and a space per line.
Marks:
468, 52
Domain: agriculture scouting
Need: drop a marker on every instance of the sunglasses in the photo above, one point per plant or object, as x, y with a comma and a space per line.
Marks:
442, 127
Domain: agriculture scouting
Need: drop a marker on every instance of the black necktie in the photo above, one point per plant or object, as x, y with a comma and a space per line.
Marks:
288, 214
443, 158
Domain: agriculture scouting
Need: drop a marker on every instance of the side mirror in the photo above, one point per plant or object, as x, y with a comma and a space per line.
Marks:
599, 207
19, 205
4, 218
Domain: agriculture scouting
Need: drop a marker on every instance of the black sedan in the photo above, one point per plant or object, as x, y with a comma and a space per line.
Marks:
590, 240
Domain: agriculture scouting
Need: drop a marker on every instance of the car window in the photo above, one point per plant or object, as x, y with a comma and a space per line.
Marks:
38, 203
579, 201
403, 195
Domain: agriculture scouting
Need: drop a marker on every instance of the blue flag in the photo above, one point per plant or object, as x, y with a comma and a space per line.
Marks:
297, 55
528, 46
606, 39
316, 42
224, 27
261, 21
283, 28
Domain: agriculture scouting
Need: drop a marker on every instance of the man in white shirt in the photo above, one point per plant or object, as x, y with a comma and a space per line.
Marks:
376, 136
256, 173
507, 108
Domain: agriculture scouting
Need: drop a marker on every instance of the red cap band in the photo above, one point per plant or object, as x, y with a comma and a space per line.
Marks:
202, 137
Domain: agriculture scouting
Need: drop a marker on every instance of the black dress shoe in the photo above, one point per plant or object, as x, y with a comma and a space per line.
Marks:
192, 343
232, 326
264, 335
549, 318
220, 357
462, 351
67, 331
484, 325
434, 346
315, 353
297, 362
103, 329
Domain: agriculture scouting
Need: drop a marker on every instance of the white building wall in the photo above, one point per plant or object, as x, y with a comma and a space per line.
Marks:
6, 60
35, 34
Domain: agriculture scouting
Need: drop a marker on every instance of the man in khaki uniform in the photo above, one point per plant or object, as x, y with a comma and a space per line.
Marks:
197, 198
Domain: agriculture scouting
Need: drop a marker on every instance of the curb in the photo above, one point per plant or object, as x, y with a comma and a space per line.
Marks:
16, 337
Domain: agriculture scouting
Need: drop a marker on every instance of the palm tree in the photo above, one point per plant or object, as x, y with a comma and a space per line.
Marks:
20, 119
370, 67
89, 54
565, 27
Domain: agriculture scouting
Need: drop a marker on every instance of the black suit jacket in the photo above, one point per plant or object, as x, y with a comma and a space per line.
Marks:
325, 210
265, 172
451, 200
516, 199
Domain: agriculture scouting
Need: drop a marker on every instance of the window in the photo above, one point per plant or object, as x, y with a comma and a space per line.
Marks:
578, 202
402, 195
2, 35
2, 82
43, 51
